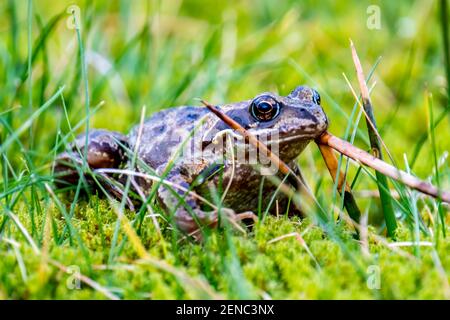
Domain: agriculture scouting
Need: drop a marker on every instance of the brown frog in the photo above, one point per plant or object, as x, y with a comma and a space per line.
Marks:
205, 163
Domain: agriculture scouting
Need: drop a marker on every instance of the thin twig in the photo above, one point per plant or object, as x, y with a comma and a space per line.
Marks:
369, 160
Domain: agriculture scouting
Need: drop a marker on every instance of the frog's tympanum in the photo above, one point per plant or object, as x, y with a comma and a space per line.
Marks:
198, 154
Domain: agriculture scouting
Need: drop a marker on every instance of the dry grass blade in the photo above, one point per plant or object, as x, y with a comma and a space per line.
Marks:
91, 283
382, 182
332, 165
302, 241
367, 159
22, 229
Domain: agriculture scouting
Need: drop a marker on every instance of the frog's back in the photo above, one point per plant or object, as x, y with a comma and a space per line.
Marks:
163, 132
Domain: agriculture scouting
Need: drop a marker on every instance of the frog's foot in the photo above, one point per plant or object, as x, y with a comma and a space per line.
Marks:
116, 189
192, 225
247, 217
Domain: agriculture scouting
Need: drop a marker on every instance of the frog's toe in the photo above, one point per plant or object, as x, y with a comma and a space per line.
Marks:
248, 218
192, 226
189, 223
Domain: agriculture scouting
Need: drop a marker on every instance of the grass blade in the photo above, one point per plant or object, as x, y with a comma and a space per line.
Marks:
29, 122
385, 198
444, 24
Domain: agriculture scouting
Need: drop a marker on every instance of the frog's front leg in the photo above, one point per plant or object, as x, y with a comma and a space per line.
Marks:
176, 198
185, 205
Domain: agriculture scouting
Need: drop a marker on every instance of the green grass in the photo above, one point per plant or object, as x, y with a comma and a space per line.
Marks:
167, 53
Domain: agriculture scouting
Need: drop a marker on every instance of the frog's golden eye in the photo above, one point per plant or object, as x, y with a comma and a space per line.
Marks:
264, 108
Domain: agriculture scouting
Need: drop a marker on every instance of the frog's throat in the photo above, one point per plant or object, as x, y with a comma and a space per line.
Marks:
298, 137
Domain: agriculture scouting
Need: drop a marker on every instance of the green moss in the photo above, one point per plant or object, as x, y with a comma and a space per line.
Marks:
281, 269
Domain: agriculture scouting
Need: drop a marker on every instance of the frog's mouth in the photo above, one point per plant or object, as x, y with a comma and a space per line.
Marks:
274, 137
297, 137
268, 137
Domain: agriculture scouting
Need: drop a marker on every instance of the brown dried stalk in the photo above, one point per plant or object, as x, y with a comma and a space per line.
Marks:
367, 159
375, 144
333, 165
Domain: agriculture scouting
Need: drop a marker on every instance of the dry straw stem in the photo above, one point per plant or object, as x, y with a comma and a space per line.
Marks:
382, 182
367, 159
332, 164
91, 283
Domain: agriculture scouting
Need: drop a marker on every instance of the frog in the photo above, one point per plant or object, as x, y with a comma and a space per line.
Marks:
295, 119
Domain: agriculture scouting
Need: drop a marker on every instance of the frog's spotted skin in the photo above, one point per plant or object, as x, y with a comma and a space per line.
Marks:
165, 130
297, 119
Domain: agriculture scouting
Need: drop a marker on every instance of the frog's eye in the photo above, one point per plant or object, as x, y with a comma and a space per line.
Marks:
264, 108
316, 97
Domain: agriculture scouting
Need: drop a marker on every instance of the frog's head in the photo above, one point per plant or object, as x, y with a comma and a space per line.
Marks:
297, 116
295, 119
